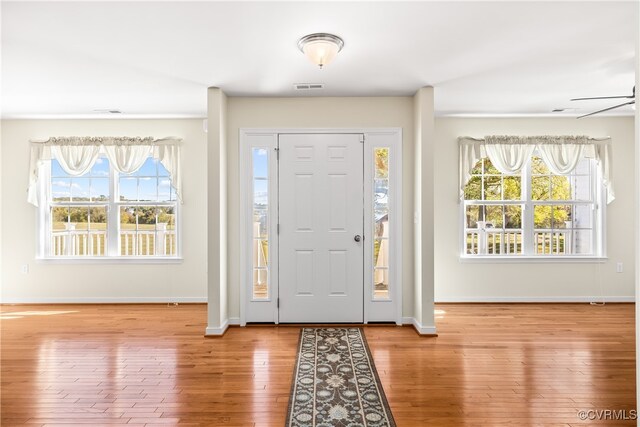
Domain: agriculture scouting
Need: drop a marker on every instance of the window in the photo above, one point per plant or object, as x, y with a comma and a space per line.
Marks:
381, 224
534, 212
103, 213
260, 229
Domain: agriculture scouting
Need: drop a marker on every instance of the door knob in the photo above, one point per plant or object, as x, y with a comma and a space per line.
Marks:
357, 238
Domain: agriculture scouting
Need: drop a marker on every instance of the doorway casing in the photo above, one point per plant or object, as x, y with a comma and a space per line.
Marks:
266, 309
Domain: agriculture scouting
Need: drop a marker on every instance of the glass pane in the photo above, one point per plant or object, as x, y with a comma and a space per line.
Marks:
562, 216
513, 216
583, 216
473, 189
381, 227
260, 224
98, 228
380, 194
260, 193
99, 189
538, 167
148, 189
381, 253
582, 244
477, 169
512, 187
494, 216
145, 230
128, 216
59, 217
492, 188
100, 168
166, 215
381, 162
146, 217
56, 169
260, 253
489, 168
512, 242
164, 189
582, 187
260, 163
583, 167
560, 187
128, 189
474, 214
540, 188
148, 168
542, 216
260, 284
381, 283
98, 218
79, 215
542, 242
260, 232
80, 189
166, 243
61, 189
162, 171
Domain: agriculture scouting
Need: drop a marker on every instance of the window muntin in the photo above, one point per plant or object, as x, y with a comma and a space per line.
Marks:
103, 213
533, 213
260, 228
381, 230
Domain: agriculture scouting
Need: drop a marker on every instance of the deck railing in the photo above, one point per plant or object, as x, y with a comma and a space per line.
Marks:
492, 241
72, 242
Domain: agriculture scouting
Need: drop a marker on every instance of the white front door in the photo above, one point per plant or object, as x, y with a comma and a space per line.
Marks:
321, 225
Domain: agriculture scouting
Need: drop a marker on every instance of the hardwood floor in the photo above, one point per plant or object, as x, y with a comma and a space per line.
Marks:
491, 365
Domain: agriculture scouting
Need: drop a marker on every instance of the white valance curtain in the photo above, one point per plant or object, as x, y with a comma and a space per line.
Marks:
77, 155
560, 154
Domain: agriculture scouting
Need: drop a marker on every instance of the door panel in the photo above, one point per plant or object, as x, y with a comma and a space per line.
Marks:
320, 213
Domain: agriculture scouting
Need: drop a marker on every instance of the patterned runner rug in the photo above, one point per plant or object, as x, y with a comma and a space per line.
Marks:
335, 382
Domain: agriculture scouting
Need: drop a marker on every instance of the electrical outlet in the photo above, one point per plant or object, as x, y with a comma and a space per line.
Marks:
25, 269
619, 267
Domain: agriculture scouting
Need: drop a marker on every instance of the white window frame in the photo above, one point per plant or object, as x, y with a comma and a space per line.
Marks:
598, 193
43, 235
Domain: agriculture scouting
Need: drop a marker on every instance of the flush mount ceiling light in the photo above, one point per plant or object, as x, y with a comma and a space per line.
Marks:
320, 48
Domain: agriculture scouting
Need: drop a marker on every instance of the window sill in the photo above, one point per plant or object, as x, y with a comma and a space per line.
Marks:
479, 259
110, 260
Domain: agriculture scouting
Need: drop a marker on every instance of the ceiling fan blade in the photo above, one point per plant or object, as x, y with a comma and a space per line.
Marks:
603, 97
607, 109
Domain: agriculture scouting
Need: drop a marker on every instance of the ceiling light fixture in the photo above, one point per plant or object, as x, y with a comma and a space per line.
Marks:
320, 48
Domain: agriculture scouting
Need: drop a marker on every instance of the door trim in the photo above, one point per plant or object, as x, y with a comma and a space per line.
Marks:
249, 138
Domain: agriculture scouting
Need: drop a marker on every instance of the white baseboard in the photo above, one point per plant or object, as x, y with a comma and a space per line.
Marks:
102, 300
234, 321
422, 330
216, 332
584, 299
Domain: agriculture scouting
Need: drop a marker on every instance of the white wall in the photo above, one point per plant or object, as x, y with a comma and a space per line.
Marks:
453, 280
456, 281
99, 282
318, 113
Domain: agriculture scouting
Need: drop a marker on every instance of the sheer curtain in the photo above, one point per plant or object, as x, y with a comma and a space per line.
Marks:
509, 158
76, 160
560, 154
77, 155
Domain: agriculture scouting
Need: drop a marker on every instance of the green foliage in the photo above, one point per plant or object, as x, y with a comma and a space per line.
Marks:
382, 162
487, 183
146, 215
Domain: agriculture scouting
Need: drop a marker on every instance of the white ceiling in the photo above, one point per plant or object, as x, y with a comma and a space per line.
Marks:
158, 58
